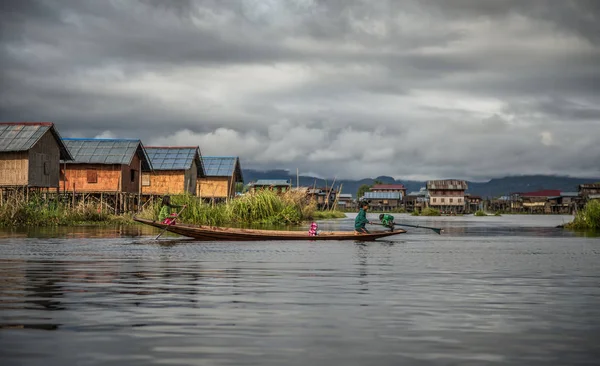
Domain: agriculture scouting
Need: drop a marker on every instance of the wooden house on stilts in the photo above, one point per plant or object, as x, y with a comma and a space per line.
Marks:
222, 174
176, 170
30, 155
106, 168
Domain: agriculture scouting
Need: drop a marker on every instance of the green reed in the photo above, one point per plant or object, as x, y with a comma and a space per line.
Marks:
588, 218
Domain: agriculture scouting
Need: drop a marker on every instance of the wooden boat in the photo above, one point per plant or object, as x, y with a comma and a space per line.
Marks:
201, 232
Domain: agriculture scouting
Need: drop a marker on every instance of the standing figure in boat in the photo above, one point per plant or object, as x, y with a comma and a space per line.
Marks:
361, 219
166, 216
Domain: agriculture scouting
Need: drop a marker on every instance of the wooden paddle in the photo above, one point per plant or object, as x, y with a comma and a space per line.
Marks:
169, 224
437, 230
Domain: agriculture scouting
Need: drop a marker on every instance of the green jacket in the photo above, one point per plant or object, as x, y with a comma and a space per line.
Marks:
361, 219
387, 220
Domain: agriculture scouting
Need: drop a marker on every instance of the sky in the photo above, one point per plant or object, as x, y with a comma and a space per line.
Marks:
422, 89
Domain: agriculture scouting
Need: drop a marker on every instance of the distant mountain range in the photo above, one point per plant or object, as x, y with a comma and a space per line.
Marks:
493, 188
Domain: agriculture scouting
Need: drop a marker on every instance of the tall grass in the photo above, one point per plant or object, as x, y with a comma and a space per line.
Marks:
588, 218
261, 207
428, 211
36, 211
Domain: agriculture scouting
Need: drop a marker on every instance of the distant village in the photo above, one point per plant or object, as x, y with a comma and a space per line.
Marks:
124, 174
448, 196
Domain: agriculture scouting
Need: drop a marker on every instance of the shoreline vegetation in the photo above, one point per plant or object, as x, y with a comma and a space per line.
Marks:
263, 207
586, 219
427, 211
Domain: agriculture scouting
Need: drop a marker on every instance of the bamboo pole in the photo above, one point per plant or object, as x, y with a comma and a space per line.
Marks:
337, 197
329, 193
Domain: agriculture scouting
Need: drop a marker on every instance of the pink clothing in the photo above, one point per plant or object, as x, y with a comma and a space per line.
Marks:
313, 229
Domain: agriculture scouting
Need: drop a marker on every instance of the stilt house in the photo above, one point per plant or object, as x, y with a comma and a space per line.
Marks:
30, 154
222, 174
176, 170
105, 165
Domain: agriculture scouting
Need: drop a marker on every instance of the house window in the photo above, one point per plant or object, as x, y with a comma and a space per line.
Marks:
132, 175
434, 200
92, 176
459, 200
146, 180
443, 200
46, 168
451, 200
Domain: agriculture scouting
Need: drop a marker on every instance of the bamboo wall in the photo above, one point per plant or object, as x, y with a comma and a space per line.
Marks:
44, 162
215, 187
13, 169
107, 177
165, 182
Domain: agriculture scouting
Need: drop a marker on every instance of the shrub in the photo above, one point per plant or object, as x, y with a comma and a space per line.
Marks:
428, 211
588, 218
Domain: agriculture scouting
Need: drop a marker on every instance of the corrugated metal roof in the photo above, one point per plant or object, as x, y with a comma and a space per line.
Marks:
542, 193
22, 136
222, 166
272, 182
173, 158
345, 195
450, 184
569, 194
382, 195
107, 151
589, 186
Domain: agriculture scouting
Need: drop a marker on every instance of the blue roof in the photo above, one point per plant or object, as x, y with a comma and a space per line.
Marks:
222, 166
272, 182
383, 195
22, 136
174, 158
107, 151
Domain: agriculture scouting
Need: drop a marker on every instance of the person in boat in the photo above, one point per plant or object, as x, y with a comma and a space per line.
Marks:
313, 229
166, 216
361, 219
387, 220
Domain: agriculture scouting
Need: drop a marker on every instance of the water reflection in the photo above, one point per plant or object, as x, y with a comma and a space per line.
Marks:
470, 297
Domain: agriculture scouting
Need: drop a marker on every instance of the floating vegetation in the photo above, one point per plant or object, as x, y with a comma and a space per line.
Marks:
588, 218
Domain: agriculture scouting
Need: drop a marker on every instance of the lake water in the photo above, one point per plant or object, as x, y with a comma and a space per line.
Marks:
510, 290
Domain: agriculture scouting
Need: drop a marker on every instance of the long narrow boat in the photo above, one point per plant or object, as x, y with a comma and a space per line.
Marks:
202, 232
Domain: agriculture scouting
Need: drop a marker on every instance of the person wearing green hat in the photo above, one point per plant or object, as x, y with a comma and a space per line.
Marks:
387, 220
361, 219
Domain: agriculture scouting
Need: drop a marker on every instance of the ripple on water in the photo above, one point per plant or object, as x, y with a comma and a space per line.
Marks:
418, 299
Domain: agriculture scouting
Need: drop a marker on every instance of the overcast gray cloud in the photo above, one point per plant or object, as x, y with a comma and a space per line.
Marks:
349, 88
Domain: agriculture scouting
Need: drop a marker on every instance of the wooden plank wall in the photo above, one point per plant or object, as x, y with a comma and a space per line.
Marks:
44, 162
191, 178
13, 169
131, 185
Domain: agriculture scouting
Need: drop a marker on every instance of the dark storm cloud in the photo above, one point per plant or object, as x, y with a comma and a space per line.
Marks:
344, 88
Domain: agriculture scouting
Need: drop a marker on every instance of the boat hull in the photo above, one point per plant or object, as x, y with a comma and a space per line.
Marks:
212, 233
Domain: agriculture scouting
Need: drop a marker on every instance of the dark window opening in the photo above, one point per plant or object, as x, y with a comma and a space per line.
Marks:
92, 176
